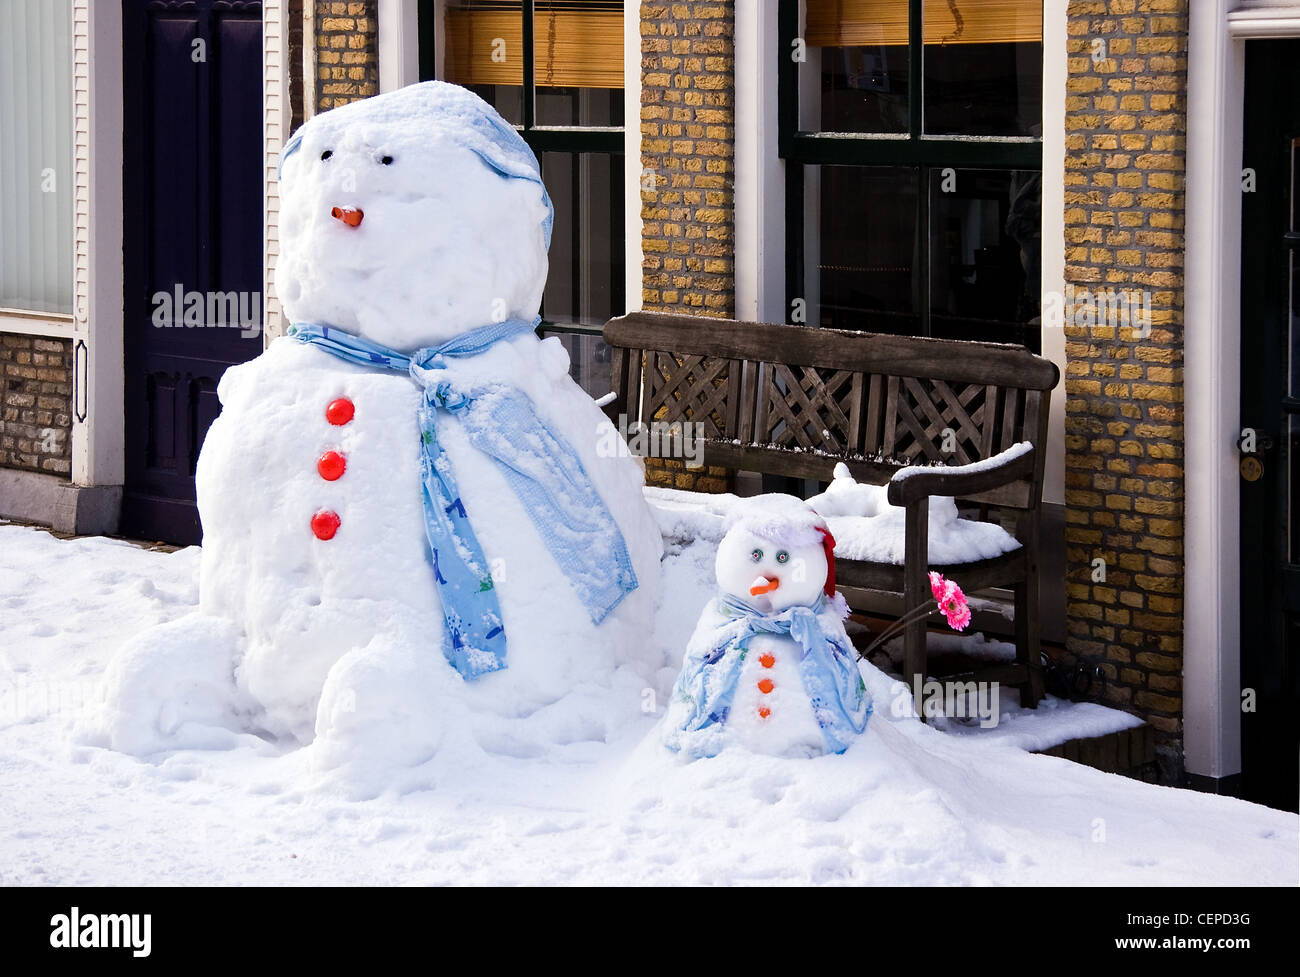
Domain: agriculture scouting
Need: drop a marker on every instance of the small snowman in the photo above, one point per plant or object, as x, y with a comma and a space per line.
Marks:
408, 520
770, 667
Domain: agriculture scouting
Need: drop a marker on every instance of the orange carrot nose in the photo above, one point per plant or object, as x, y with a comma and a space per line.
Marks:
350, 216
763, 585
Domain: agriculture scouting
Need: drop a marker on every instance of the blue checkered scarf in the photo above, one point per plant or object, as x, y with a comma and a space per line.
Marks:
707, 683
542, 468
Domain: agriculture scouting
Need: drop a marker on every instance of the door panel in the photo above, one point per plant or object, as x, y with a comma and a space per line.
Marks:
193, 233
1270, 407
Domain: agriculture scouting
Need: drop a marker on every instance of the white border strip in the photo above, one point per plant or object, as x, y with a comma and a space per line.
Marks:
759, 183
1211, 398
1052, 222
98, 454
15, 322
632, 222
276, 112
399, 44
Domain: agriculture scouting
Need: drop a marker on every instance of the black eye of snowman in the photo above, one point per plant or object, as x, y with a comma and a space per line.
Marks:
782, 557
386, 160
756, 555
326, 155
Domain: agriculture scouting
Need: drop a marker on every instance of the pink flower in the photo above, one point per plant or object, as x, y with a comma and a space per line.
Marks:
939, 587
954, 606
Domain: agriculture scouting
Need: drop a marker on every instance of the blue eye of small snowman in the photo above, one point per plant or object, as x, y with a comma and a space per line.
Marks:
782, 557
326, 155
756, 555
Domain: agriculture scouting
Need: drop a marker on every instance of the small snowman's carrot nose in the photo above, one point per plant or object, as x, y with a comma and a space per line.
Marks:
763, 585
350, 216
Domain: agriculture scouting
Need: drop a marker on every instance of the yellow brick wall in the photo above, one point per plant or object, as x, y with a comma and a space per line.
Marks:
347, 52
1126, 123
687, 155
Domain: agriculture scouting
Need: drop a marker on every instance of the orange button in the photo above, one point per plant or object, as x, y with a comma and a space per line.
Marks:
767, 661
764, 712
766, 685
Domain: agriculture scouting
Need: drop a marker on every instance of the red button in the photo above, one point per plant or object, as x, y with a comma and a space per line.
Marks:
764, 712
767, 661
764, 686
325, 524
340, 411
331, 466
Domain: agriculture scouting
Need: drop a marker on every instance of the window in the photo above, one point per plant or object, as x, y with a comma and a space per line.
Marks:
554, 68
36, 250
912, 134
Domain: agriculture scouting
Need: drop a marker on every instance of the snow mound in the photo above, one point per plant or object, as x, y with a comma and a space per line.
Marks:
867, 527
579, 791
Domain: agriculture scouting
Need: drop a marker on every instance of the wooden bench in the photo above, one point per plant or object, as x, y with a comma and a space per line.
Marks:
794, 400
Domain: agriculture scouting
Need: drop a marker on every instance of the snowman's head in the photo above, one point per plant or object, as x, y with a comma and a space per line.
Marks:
777, 553
411, 217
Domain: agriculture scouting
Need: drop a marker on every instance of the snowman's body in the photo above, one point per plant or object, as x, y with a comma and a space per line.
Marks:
263, 566
745, 684
394, 228
771, 713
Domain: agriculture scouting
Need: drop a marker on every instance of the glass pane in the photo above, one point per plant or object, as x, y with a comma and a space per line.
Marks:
483, 50
985, 247
862, 251
1294, 385
578, 62
585, 283
36, 249
983, 71
1292, 447
580, 107
1291, 459
589, 361
854, 78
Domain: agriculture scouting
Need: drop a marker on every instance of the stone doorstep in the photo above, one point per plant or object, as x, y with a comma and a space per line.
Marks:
53, 501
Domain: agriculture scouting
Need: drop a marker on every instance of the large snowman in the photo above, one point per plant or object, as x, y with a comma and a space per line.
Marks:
770, 667
405, 507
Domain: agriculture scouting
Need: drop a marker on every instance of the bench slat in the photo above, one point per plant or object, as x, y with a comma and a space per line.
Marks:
871, 443
745, 405
889, 442
1010, 419
948, 359
854, 431
988, 420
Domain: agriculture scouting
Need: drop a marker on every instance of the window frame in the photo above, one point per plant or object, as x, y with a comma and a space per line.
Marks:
914, 149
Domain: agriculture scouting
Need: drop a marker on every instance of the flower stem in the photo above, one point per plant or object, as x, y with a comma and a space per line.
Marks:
892, 630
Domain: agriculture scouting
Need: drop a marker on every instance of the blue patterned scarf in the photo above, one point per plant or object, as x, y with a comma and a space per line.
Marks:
831, 680
545, 473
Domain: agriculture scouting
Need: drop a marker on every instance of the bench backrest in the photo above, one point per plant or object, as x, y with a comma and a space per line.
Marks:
794, 400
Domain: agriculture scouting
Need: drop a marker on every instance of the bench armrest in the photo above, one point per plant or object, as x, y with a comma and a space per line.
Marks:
918, 482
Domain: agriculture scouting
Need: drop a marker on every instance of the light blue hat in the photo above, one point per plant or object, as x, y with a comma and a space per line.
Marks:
455, 113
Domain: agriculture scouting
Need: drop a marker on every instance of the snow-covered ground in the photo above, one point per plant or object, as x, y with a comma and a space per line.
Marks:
907, 803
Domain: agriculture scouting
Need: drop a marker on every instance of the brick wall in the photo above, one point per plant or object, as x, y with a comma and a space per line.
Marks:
687, 191
35, 394
1125, 151
347, 52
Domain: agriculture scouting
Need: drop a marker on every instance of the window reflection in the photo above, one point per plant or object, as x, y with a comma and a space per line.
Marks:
985, 247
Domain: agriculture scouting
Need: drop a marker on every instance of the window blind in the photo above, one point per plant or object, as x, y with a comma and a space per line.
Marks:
36, 251
575, 44
860, 23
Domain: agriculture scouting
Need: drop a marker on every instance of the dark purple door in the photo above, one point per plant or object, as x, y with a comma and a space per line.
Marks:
192, 240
